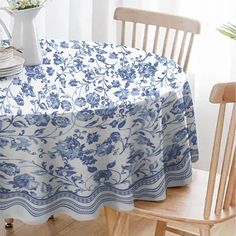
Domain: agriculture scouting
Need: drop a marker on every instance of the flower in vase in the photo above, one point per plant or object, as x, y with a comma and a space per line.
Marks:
24, 4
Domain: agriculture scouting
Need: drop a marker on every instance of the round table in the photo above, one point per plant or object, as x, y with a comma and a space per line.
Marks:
94, 125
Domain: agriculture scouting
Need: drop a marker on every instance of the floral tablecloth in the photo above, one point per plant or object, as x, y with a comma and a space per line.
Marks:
95, 125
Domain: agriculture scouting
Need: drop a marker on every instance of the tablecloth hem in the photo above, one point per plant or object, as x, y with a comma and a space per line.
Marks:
20, 213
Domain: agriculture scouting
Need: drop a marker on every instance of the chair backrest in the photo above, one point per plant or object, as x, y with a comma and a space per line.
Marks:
169, 23
226, 190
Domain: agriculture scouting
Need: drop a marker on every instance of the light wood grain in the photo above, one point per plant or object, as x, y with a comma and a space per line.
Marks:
226, 163
120, 224
184, 204
160, 20
71, 227
111, 216
138, 227
233, 200
231, 183
188, 204
214, 161
181, 232
205, 232
223, 93
160, 228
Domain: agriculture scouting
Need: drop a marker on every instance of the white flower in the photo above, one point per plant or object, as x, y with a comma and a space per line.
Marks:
24, 4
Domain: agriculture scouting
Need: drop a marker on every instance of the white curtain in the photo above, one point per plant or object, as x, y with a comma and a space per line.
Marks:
213, 59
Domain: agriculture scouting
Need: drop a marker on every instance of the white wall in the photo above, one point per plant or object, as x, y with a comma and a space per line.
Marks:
213, 59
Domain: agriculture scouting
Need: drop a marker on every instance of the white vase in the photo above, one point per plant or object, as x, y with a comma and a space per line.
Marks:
24, 35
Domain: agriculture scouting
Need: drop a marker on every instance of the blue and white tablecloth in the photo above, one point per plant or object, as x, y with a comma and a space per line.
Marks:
95, 125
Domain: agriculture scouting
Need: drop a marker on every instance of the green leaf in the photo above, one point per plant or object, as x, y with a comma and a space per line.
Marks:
228, 30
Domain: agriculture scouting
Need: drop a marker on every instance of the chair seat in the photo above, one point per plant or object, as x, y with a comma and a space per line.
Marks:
184, 203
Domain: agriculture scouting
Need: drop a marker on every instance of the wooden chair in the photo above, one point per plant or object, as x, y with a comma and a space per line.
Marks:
193, 204
169, 23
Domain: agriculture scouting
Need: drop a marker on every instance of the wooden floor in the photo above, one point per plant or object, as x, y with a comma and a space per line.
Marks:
64, 225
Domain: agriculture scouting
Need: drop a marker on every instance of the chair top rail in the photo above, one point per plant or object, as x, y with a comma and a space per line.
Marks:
158, 19
223, 93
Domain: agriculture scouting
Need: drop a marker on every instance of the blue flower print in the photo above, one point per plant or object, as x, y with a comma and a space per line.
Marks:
76, 44
115, 83
70, 148
150, 92
21, 144
141, 139
78, 63
16, 81
57, 59
106, 113
89, 74
50, 71
105, 148
38, 120
135, 91
114, 123
127, 73
85, 115
171, 152
188, 102
92, 138
178, 107
35, 72
100, 58
53, 100
48, 49
180, 135
186, 89
80, 102
66, 170
27, 90
87, 160
135, 156
122, 94
3, 142
66, 105
193, 140
46, 61
147, 69
89, 122
25, 181
60, 121
46, 188
4, 190
115, 136
102, 176
113, 55
135, 109
64, 44
161, 59
93, 99
19, 100
9, 168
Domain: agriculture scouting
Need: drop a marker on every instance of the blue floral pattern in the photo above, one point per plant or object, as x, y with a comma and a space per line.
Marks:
95, 124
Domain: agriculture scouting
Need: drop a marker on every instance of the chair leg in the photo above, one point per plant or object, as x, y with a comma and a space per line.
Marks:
120, 224
126, 230
9, 223
51, 217
205, 232
111, 217
160, 228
